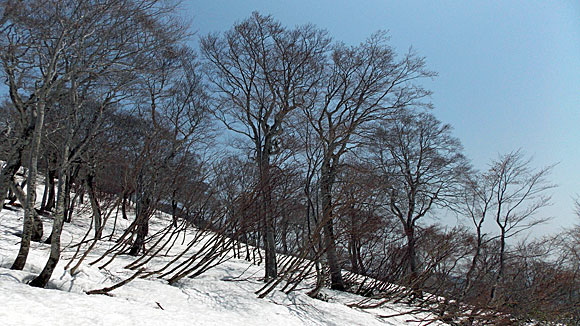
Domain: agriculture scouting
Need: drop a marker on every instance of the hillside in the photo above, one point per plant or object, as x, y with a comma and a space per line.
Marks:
224, 295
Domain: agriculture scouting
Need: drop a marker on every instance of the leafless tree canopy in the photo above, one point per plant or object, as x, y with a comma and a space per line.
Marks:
277, 145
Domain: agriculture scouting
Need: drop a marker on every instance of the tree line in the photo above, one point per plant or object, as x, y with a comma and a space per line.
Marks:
293, 150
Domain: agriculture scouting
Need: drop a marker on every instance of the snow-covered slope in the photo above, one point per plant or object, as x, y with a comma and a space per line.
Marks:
222, 296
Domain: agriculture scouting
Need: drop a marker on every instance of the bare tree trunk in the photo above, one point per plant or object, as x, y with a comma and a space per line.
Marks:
284, 232
174, 209
89, 184
493, 293
50, 200
11, 197
319, 280
353, 245
469, 275
67, 203
353, 254
8, 172
46, 186
361, 265
37, 118
411, 255
124, 206
71, 209
65, 190
142, 231
142, 220
42, 279
413, 275
327, 180
270, 249
59, 217
73, 174
37, 229
14, 161
247, 242
271, 268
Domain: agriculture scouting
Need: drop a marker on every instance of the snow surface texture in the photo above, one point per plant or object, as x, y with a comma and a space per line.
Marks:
222, 296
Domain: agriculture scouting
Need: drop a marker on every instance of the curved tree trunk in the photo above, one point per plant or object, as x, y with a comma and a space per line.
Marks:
59, 217
37, 119
42, 279
14, 161
7, 174
37, 228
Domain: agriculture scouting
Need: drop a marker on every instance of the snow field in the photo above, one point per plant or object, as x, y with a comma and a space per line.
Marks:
224, 295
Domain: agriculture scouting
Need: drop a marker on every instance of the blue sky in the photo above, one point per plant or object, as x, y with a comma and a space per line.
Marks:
509, 71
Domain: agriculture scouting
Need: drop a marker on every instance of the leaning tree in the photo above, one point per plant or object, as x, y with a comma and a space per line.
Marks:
361, 85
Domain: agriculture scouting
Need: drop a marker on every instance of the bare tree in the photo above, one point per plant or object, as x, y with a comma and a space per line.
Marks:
261, 72
30, 57
360, 218
172, 101
477, 203
421, 164
518, 195
79, 58
362, 84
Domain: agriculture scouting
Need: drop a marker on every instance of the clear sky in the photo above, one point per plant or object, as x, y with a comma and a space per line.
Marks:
509, 71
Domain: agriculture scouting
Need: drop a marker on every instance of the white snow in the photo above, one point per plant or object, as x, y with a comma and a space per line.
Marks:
222, 296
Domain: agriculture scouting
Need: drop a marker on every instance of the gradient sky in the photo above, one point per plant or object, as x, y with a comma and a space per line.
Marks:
509, 71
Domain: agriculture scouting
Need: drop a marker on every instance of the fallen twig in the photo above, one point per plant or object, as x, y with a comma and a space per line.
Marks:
118, 285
